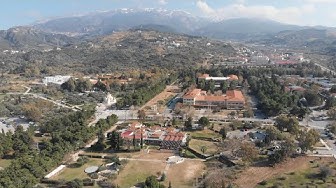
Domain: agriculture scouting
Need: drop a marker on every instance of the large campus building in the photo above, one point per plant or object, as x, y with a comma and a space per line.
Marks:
217, 80
234, 99
165, 137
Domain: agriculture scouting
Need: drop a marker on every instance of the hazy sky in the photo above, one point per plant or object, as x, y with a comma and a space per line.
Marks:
302, 12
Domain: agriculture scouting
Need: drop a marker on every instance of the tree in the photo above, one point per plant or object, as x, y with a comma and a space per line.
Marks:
32, 112
69, 85
188, 123
76, 183
223, 133
332, 127
203, 149
332, 113
141, 114
212, 86
115, 140
308, 139
313, 98
174, 121
233, 84
100, 144
291, 124
224, 87
248, 152
332, 89
331, 102
201, 84
152, 182
232, 114
204, 121
163, 177
169, 186
141, 140
287, 148
325, 172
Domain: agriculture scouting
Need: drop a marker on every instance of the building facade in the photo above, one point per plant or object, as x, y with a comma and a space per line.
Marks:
233, 100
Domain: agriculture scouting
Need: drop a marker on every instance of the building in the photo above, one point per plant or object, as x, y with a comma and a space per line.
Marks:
165, 137
109, 100
217, 80
58, 79
233, 99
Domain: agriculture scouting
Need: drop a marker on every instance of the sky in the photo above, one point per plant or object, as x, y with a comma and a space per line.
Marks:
300, 12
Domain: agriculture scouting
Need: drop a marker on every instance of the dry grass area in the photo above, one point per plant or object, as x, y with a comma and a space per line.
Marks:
137, 171
211, 147
5, 163
253, 175
116, 37
165, 94
183, 175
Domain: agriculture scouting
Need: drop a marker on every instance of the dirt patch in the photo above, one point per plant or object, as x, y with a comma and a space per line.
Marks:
137, 171
253, 175
183, 174
165, 94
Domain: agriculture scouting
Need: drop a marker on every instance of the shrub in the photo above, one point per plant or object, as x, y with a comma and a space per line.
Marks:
282, 178
94, 176
263, 182
325, 172
163, 177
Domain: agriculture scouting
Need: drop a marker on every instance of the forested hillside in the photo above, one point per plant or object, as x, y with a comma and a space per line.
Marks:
125, 50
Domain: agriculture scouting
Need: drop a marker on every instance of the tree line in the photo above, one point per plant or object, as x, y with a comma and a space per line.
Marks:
68, 132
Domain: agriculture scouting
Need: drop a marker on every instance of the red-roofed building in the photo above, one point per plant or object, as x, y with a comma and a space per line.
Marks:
168, 138
234, 99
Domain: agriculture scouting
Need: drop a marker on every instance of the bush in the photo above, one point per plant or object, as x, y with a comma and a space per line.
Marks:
163, 177
88, 182
282, 178
263, 182
325, 172
94, 176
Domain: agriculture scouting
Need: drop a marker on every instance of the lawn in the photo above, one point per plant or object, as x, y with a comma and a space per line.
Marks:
73, 173
5, 163
204, 134
137, 171
304, 177
211, 147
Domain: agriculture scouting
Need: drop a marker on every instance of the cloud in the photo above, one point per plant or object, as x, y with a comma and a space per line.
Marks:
320, 1
163, 2
292, 15
205, 8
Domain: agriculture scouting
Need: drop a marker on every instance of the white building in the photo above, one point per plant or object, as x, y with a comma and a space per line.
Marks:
58, 79
109, 100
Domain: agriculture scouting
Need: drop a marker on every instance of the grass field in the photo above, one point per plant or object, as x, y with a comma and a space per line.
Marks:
211, 147
73, 173
137, 171
5, 163
308, 177
204, 134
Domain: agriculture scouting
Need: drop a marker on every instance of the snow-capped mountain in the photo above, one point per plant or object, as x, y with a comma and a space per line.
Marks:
104, 22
